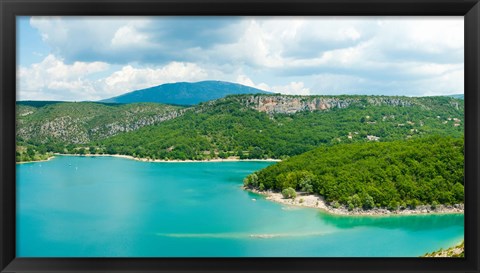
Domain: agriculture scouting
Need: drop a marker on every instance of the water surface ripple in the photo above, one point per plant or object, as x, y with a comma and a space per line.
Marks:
115, 207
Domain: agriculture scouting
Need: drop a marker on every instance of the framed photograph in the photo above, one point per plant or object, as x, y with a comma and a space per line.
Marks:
239, 136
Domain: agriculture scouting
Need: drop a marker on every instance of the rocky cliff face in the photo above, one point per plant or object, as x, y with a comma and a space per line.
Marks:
291, 105
277, 104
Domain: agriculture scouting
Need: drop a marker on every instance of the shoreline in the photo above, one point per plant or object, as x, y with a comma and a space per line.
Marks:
302, 200
35, 161
318, 202
160, 160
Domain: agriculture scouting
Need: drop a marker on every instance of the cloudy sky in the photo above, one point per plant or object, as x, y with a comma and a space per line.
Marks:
92, 58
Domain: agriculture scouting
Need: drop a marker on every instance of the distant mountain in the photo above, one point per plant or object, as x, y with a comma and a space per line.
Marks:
37, 103
185, 93
457, 96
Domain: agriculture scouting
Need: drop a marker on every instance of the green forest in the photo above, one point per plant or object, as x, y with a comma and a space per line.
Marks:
229, 128
359, 152
68, 127
403, 173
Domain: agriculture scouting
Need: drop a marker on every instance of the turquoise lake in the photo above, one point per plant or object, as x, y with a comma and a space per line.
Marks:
114, 207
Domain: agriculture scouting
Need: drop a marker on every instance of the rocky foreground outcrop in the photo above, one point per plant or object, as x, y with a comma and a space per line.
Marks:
457, 251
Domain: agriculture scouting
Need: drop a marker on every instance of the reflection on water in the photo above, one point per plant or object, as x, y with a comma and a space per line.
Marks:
409, 222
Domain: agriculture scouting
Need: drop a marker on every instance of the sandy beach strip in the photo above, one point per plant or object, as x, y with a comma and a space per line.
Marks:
318, 202
175, 160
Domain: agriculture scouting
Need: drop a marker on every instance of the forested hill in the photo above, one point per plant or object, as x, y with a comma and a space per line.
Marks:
277, 126
70, 123
242, 126
185, 93
400, 173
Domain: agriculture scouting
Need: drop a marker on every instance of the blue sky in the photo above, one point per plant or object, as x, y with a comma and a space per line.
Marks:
92, 58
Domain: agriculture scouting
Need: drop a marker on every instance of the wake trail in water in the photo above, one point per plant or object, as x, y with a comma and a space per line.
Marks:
242, 235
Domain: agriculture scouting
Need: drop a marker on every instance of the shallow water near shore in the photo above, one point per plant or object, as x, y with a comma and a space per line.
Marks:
115, 207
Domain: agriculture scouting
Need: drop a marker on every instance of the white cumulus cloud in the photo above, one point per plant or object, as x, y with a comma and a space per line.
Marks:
293, 88
292, 55
129, 36
130, 78
53, 79
244, 80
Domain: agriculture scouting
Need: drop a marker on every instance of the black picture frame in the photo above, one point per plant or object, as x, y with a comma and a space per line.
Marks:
9, 9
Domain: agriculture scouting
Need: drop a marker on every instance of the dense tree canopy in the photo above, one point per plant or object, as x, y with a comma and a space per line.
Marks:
390, 174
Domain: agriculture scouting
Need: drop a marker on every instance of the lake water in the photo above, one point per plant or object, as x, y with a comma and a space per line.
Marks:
114, 207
